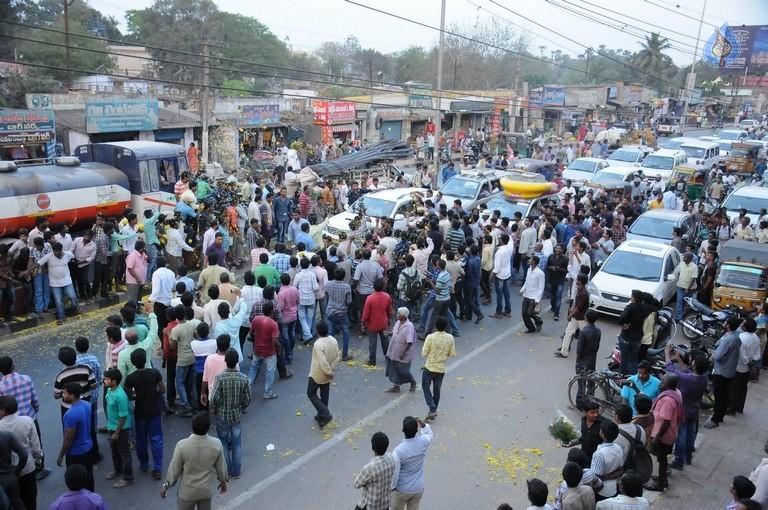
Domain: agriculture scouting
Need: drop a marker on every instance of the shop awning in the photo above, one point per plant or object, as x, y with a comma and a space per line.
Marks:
344, 128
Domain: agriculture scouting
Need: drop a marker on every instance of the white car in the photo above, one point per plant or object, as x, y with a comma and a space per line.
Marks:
642, 265
675, 143
390, 203
629, 154
656, 225
748, 124
663, 162
471, 186
734, 135
581, 170
751, 198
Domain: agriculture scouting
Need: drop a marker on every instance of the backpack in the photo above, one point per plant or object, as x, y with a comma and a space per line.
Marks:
413, 287
639, 459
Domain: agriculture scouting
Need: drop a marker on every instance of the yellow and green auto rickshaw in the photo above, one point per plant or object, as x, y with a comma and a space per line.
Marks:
686, 178
741, 283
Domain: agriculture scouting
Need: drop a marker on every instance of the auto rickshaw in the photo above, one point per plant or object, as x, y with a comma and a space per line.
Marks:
742, 159
686, 178
741, 283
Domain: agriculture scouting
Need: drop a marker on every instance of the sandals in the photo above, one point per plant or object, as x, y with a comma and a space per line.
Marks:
393, 389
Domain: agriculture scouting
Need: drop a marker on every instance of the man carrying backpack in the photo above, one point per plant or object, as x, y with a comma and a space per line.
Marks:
409, 284
632, 441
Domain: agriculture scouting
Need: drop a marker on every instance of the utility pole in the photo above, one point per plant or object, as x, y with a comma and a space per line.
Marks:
204, 105
370, 73
455, 70
67, 49
690, 79
439, 115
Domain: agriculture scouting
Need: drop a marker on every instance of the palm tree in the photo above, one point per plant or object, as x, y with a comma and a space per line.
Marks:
651, 60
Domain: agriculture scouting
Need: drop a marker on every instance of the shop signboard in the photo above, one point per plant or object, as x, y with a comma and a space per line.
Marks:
26, 137
258, 115
633, 94
553, 96
340, 112
587, 98
320, 113
117, 115
39, 101
738, 49
17, 121
420, 96
535, 97
496, 123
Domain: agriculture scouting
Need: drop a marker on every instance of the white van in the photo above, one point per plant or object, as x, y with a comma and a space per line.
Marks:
704, 156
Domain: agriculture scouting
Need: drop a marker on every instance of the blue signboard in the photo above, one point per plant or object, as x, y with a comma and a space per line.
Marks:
553, 96
116, 115
17, 121
724, 48
534, 97
258, 115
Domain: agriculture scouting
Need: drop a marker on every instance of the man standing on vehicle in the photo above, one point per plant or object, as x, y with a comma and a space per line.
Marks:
686, 283
409, 464
725, 358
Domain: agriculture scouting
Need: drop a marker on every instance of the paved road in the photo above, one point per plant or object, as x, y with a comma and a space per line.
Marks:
500, 394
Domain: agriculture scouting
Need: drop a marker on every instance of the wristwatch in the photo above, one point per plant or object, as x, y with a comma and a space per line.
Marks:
166, 485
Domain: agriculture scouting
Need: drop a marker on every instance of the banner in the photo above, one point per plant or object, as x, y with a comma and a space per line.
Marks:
496, 123
340, 112
16, 121
420, 97
116, 115
736, 49
553, 96
258, 115
27, 138
320, 113
535, 97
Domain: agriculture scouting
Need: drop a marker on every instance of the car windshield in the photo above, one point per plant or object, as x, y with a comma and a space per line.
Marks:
724, 146
374, 206
742, 277
623, 155
636, 266
739, 153
729, 135
734, 202
659, 162
583, 166
507, 208
657, 228
672, 144
693, 152
603, 176
461, 188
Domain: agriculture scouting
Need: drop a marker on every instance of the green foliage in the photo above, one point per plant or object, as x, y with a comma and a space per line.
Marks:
14, 88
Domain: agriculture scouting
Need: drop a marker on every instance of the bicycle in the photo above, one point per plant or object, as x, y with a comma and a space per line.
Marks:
586, 383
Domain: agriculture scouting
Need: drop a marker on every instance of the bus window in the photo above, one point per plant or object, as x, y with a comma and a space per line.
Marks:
144, 175
153, 175
170, 171
182, 165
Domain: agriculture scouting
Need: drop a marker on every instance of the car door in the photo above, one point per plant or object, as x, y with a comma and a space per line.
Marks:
671, 263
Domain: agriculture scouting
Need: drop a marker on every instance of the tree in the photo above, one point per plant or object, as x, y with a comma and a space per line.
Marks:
409, 65
651, 61
16, 86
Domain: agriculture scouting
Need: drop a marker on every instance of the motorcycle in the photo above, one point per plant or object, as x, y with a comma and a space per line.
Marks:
445, 154
665, 331
702, 321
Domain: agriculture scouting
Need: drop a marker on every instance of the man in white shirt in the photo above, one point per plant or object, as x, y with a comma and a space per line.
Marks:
670, 200
175, 247
502, 272
532, 291
129, 244
84, 250
568, 189
163, 283
608, 458
527, 242
569, 153
60, 280
210, 235
631, 497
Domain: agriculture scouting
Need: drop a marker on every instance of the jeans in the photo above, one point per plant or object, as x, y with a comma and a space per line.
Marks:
134, 291
58, 297
149, 432
288, 340
426, 307
630, 355
282, 228
85, 460
8, 298
336, 323
307, 320
502, 292
100, 279
555, 296
435, 380
42, 292
485, 284
121, 454
84, 279
738, 390
721, 387
439, 308
686, 437
471, 302
185, 379
170, 375
271, 366
372, 337
152, 264
681, 294
531, 319
229, 435
321, 402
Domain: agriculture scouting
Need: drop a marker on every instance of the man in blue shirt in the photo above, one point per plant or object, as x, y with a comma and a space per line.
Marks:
77, 444
409, 463
282, 208
294, 227
448, 172
643, 382
304, 237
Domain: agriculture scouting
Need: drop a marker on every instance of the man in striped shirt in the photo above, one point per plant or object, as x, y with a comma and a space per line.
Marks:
82, 375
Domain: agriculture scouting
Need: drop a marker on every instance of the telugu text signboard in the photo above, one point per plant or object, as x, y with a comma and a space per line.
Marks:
340, 112
117, 115
420, 96
17, 121
553, 96
320, 113
258, 115
30, 137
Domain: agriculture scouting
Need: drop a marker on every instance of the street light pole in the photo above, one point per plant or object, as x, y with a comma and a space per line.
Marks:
690, 80
439, 116
67, 49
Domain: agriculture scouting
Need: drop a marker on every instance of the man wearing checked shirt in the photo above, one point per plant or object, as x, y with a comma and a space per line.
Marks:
22, 387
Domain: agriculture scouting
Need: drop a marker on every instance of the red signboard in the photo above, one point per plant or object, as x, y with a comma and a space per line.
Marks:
340, 112
496, 122
320, 113
327, 135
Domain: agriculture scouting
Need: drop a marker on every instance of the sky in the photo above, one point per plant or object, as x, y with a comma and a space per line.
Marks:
308, 23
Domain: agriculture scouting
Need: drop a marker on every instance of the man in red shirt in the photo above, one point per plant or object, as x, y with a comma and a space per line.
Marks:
305, 203
376, 314
668, 415
266, 343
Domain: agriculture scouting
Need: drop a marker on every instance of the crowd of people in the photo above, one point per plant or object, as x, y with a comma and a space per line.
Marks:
196, 348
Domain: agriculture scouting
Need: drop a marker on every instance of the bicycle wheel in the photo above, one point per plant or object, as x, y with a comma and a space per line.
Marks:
573, 389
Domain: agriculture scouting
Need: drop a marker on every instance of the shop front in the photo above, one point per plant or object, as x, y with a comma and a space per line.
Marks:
27, 136
338, 121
